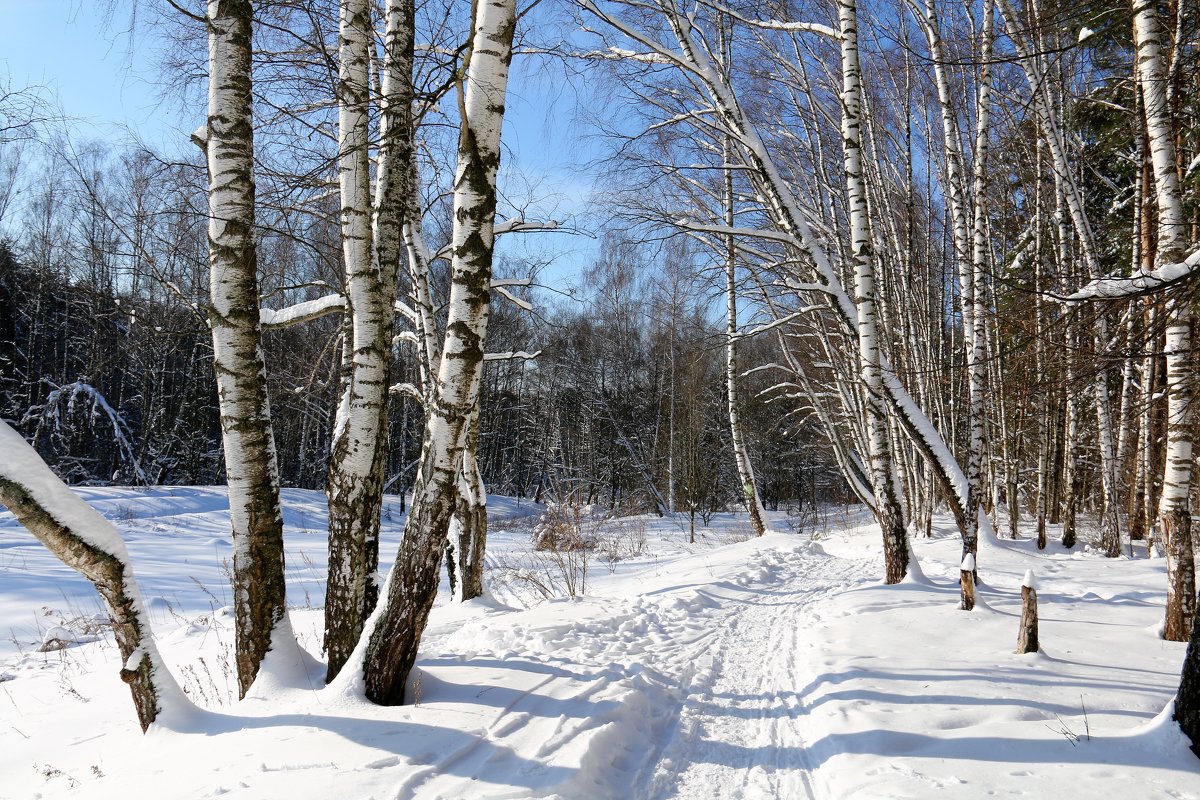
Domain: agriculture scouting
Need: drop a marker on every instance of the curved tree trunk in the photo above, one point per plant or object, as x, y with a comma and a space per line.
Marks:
398, 624
89, 544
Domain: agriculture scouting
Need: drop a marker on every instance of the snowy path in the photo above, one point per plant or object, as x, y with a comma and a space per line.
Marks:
686, 691
744, 737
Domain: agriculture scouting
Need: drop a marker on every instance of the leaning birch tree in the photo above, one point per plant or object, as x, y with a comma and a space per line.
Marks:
393, 636
89, 544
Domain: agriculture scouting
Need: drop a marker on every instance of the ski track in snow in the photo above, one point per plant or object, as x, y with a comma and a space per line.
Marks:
743, 737
668, 697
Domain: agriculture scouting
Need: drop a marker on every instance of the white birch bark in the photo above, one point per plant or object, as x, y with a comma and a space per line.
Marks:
250, 463
371, 250
888, 510
758, 515
1174, 509
394, 632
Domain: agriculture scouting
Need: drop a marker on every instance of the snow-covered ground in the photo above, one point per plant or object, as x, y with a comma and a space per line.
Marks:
734, 667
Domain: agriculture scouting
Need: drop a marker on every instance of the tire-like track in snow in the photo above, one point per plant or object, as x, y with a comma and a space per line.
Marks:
683, 692
744, 736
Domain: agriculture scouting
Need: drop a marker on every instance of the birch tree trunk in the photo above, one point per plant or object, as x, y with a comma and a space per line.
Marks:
89, 544
468, 533
758, 515
250, 463
371, 251
1175, 513
888, 509
395, 632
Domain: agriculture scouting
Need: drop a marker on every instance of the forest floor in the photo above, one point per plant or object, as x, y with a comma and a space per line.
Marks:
734, 667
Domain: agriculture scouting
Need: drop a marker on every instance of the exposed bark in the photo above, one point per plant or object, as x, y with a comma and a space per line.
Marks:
37, 498
888, 510
1187, 701
468, 535
1150, 36
250, 462
1027, 637
412, 585
372, 244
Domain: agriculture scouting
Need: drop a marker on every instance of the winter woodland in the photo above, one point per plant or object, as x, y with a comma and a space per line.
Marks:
322, 432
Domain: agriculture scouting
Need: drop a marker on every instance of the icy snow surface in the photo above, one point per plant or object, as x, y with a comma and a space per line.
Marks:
732, 668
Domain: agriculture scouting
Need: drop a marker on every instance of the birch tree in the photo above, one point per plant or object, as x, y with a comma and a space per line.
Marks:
888, 510
391, 641
260, 610
1151, 40
88, 543
372, 244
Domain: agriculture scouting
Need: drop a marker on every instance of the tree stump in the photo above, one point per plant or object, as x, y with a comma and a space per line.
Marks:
1027, 636
967, 582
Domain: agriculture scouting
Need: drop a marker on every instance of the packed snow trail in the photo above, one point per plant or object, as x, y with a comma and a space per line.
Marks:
688, 690
743, 736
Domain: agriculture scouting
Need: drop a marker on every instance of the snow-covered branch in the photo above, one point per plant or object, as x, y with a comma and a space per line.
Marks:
301, 312
408, 390
510, 355
1135, 285
88, 543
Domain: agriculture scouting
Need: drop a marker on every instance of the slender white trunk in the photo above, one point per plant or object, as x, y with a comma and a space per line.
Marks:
888, 510
371, 251
1175, 511
758, 515
394, 633
250, 462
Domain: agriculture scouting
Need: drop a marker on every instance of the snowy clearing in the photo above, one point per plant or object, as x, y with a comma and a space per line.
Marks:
735, 667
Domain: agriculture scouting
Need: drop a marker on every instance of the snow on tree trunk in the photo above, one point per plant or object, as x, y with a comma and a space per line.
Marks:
888, 510
412, 585
250, 464
372, 246
1149, 34
89, 544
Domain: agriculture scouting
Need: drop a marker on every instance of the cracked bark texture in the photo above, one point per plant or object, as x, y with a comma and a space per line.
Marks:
412, 585
250, 462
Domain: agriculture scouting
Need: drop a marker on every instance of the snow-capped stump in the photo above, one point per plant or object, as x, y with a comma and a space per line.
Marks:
1027, 636
967, 580
58, 637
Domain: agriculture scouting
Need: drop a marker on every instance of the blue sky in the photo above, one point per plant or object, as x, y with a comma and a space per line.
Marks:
94, 71
107, 82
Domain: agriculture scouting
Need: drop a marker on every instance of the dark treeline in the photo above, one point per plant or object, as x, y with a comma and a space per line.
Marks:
106, 363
